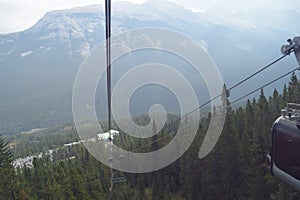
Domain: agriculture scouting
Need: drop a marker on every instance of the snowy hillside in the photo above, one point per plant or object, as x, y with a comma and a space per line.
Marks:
38, 65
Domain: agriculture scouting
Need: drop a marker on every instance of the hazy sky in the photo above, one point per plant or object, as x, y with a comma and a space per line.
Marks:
17, 15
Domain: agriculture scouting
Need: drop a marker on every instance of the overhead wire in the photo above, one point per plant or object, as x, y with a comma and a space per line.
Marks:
269, 83
231, 88
108, 67
259, 71
234, 86
108, 57
108, 63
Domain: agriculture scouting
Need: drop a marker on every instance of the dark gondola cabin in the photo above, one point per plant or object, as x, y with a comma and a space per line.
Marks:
285, 152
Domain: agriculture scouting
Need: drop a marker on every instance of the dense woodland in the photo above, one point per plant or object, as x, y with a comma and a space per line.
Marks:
26, 113
237, 167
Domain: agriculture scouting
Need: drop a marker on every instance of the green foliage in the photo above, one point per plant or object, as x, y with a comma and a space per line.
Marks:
235, 169
11, 186
41, 141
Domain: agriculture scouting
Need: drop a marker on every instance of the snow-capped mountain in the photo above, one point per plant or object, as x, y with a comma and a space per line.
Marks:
38, 65
80, 29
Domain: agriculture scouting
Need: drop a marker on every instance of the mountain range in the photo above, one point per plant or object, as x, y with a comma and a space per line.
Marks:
38, 65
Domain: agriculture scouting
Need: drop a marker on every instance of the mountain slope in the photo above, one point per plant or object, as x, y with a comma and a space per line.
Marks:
38, 65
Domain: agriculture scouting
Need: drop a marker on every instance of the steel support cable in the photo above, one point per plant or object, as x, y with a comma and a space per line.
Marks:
236, 85
231, 88
259, 71
248, 94
108, 63
108, 57
275, 80
108, 67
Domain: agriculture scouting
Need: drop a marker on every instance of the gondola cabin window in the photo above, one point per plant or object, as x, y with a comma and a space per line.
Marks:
286, 146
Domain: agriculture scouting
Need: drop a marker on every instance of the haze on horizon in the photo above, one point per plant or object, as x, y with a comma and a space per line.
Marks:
19, 15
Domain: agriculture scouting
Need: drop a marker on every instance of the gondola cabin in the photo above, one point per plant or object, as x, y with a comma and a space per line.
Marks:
285, 150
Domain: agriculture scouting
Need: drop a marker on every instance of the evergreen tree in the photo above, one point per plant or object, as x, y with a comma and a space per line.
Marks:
236, 168
7, 173
11, 185
293, 89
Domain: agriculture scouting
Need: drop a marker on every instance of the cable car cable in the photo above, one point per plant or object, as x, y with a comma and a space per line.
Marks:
108, 73
108, 57
275, 80
234, 86
259, 71
231, 88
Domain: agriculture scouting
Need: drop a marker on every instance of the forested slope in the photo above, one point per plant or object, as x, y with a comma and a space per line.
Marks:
237, 167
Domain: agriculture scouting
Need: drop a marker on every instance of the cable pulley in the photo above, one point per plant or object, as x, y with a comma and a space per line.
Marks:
292, 46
